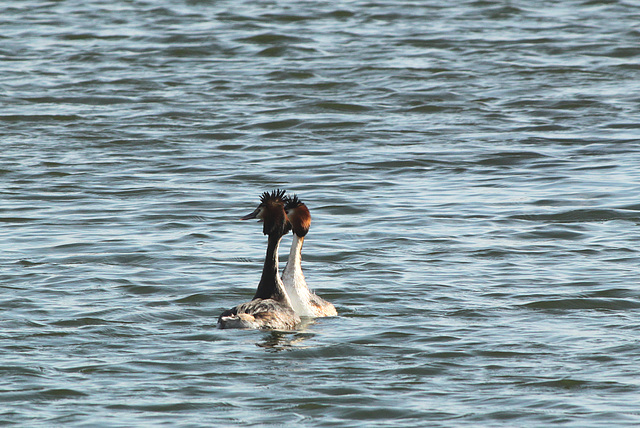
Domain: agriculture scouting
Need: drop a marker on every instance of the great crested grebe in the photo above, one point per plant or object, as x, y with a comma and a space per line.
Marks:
270, 307
303, 301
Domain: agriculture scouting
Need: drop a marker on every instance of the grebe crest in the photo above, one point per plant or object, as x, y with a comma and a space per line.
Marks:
299, 216
271, 213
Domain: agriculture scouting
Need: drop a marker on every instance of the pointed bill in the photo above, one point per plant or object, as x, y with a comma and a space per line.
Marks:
252, 215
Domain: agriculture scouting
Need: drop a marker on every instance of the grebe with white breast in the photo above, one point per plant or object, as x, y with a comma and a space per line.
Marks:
303, 301
270, 307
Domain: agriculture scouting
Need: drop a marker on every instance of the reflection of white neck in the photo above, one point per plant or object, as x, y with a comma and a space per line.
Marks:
294, 281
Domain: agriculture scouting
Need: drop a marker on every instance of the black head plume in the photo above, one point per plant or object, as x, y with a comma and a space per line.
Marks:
275, 219
292, 202
275, 195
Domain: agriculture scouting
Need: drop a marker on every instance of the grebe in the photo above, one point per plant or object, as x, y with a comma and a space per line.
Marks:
270, 307
303, 301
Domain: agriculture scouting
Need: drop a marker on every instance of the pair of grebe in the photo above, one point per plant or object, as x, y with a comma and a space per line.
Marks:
279, 303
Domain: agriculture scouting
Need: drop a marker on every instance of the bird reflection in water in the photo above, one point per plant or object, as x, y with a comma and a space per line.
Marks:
277, 340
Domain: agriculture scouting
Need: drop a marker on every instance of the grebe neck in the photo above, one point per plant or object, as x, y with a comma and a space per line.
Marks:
270, 285
295, 254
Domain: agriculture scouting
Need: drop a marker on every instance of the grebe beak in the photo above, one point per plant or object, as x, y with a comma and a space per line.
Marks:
252, 215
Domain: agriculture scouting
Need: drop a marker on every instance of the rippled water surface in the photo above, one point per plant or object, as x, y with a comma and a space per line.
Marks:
473, 173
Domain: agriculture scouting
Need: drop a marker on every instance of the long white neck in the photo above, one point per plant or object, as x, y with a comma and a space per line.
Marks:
279, 284
294, 262
293, 279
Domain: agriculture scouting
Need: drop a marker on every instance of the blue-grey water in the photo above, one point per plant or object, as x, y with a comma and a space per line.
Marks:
473, 172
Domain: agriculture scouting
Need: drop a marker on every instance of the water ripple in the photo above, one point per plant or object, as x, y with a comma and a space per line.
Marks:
471, 169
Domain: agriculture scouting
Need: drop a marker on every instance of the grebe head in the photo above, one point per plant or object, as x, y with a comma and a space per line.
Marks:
271, 213
298, 214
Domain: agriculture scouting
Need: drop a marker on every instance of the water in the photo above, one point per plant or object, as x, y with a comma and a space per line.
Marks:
471, 168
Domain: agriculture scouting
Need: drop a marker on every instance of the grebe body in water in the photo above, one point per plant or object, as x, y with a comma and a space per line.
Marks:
270, 307
304, 302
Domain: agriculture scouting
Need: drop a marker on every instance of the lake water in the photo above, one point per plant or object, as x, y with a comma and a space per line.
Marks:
473, 172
